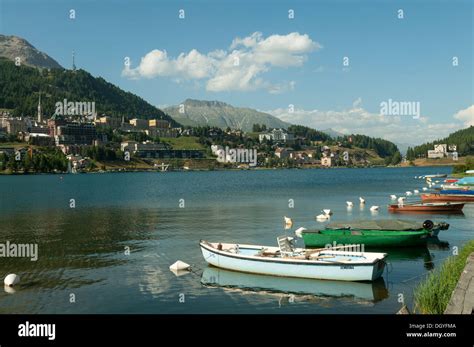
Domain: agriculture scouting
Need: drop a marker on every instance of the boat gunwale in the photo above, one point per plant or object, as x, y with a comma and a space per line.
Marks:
291, 261
391, 232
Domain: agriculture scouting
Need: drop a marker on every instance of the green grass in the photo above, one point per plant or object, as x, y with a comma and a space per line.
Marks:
13, 144
433, 294
184, 142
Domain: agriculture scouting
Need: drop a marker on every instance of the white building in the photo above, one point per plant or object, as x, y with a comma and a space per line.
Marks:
134, 146
439, 151
432, 154
441, 148
277, 135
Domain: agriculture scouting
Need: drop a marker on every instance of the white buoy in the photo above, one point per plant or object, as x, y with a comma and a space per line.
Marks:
416, 191
362, 200
408, 193
11, 280
393, 197
327, 211
299, 232
374, 208
322, 217
179, 266
349, 203
425, 189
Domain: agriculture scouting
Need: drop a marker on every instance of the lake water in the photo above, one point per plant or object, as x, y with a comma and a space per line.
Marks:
82, 250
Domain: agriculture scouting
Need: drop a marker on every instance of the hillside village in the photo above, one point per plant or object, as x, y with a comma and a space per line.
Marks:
94, 143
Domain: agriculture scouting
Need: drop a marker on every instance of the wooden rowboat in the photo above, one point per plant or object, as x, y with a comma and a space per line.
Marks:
447, 197
428, 207
368, 238
374, 233
435, 176
327, 264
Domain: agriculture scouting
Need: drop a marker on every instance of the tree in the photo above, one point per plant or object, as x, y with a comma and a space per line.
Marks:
12, 164
410, 154
396, 159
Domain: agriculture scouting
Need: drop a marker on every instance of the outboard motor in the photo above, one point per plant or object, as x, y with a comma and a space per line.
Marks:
428, 225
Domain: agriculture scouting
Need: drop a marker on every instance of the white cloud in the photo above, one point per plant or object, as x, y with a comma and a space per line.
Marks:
357, 120
238, 69
466, 116
192, 65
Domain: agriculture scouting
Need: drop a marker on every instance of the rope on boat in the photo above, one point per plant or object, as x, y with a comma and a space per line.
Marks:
387, 267
195, 270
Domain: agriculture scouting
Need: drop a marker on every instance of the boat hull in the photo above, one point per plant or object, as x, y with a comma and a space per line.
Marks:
426, 208
291, 268
368, 238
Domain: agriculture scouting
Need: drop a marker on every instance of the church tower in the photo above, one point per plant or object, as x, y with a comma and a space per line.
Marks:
40, 115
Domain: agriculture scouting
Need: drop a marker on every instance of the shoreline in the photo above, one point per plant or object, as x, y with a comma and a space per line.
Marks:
123, 170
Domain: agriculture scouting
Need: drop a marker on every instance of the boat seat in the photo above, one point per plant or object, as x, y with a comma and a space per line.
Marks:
286, 248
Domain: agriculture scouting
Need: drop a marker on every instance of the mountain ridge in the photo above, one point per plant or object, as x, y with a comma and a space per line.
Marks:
13, 47
21, 86
193, 112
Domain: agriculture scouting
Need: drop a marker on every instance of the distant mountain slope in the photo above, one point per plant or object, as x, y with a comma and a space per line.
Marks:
20, 87
222, 115
463, 139
12, 47
333, 133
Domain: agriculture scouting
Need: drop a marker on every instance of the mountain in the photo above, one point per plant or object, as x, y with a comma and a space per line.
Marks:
333, 133
222, 115
463, 139
20, 87
12, 47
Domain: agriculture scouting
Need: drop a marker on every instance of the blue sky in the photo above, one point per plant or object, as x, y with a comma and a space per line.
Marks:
406, 59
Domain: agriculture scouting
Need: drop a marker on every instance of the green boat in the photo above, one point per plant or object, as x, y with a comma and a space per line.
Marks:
376, 233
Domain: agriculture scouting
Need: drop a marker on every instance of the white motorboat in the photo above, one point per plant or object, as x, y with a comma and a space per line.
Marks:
286, 261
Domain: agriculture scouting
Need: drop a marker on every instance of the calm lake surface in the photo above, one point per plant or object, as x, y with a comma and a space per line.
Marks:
82, 249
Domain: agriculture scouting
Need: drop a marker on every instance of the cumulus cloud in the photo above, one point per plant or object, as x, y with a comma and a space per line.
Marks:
466, 116
357, 120
238, 69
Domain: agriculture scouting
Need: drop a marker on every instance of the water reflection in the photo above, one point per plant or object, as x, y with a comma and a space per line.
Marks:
299, 287
71, 241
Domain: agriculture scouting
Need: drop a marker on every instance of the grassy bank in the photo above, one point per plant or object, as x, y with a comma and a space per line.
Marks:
433, 294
